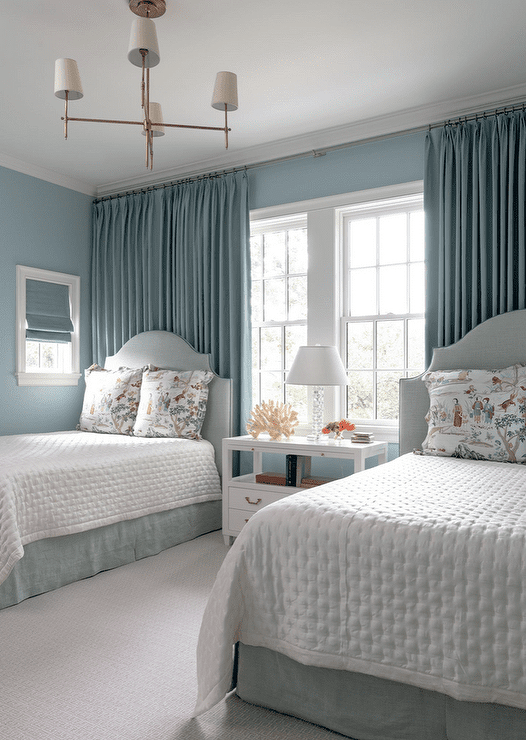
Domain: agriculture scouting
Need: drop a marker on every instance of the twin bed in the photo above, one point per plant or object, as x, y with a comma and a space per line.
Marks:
75, 503
392, 604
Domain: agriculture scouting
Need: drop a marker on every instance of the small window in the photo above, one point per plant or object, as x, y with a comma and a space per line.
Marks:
48, 307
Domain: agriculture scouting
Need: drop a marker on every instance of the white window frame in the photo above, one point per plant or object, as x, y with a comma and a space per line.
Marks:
265, 226
324, 299
384, 428
25, 378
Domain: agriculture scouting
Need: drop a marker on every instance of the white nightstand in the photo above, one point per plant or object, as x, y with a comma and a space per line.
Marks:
242, 496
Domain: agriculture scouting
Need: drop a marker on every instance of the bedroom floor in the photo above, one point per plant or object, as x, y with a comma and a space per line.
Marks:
113, 658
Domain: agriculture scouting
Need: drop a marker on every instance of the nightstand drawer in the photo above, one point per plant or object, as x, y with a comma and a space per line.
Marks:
237, 518
255, 499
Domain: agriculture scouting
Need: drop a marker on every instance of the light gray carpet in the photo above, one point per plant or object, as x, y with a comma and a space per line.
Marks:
113, 658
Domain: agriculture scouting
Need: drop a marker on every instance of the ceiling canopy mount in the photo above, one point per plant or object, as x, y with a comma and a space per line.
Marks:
148, 8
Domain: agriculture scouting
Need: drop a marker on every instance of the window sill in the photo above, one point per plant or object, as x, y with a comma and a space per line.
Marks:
49, 379
383, 432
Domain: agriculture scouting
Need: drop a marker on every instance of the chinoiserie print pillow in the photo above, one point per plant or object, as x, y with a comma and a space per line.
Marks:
111, 400
173, 403
477, 414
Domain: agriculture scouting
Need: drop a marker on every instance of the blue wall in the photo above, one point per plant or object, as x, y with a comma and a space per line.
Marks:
46, 226
387, 162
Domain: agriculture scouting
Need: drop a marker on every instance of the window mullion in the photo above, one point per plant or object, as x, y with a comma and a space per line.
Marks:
282, 372
260, 369
377, 269
375, 368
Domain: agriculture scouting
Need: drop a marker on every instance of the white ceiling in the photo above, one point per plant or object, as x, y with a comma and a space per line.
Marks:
310, 74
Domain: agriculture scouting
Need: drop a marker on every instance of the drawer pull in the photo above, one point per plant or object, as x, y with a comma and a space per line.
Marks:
254, 503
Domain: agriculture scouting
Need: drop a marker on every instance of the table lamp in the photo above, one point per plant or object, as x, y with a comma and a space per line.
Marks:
317, 365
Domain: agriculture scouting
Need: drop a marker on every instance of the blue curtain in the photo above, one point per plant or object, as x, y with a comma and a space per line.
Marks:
177, 258
475, 202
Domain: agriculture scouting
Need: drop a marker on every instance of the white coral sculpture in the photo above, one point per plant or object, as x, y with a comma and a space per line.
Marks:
276, 418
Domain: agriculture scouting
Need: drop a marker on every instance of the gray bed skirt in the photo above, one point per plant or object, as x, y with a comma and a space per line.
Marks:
50, 563
367, 708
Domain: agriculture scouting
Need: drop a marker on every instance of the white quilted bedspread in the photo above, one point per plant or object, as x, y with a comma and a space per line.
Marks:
413, 571
56, 484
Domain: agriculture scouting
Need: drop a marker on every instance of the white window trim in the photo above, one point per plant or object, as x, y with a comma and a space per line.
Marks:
324, 309
265, 226
23, 377
384, 429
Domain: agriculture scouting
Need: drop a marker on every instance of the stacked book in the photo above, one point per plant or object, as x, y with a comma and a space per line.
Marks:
272, 479
298, 474
363, 437
312, 482
297, 466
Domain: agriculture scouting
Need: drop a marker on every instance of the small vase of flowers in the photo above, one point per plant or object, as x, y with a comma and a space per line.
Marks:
338, 428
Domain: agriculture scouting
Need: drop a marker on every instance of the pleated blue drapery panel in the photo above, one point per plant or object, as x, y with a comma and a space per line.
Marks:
177, 259
475, 206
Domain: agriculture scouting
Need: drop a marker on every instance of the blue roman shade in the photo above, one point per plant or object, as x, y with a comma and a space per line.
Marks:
47, 312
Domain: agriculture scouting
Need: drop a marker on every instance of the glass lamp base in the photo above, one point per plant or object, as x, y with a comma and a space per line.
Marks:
317, 415
320, 438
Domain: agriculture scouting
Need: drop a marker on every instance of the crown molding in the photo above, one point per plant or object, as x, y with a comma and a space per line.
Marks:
41, 173
406, 121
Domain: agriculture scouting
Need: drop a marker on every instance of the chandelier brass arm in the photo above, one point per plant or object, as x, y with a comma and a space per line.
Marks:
141, 123
144, 52
144, 125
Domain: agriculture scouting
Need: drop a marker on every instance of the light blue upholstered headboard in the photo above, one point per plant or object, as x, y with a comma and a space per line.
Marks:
494, 344
169, 351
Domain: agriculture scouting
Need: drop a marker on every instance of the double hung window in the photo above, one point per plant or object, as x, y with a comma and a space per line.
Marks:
361, 288
383, 304
278, 250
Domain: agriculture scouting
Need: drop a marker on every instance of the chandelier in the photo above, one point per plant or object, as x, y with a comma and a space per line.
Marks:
144, 52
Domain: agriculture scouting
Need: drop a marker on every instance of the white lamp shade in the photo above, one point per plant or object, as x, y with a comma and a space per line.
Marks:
67, 79
225, 91
143, 36
317, 365
156, 114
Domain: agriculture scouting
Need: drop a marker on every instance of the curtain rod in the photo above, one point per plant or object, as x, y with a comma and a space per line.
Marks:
278, 160
320, 152
457, 120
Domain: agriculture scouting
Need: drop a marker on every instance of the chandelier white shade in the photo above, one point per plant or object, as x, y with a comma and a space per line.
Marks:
225, 92
143, 51
67, 80
143, 36
156, 115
